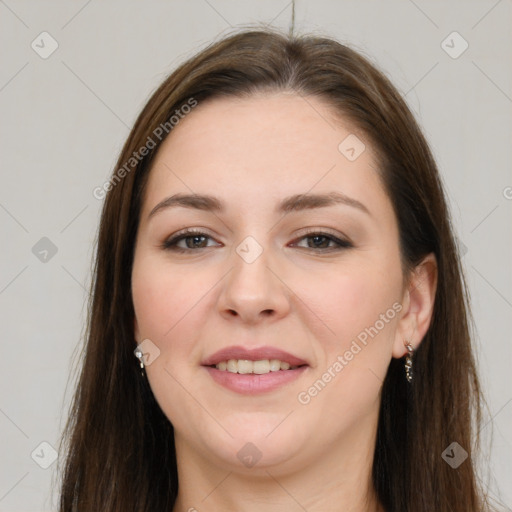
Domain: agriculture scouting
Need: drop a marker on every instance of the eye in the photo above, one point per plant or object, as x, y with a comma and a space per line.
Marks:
188, 241
322, 242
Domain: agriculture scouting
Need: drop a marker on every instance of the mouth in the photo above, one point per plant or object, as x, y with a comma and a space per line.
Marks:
253, 371
260, 367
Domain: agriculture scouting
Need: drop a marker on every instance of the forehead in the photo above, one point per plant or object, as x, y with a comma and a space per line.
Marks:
256, 150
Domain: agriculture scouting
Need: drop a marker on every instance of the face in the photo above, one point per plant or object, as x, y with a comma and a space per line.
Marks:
271, 305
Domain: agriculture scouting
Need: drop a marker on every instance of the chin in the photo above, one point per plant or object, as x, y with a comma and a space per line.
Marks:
257, 444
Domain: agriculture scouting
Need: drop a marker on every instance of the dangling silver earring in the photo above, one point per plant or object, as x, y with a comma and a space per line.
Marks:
408, 362
140, 356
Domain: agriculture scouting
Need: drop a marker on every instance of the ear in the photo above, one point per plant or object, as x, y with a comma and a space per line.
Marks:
418, 305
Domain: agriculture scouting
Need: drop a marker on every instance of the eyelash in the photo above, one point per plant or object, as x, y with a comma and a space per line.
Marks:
171, 243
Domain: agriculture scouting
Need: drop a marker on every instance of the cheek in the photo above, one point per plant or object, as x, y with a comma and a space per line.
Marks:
347, 303
163, 297
172, 306
168, 308
359, 317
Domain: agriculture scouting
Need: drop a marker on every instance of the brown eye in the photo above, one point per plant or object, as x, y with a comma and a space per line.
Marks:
193, 242
323, 242
319, 242
188, 241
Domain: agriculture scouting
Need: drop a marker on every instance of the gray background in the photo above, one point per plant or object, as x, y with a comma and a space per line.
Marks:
64, 119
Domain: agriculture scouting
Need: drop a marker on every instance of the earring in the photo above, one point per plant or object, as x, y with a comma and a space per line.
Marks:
140, 356
408, 362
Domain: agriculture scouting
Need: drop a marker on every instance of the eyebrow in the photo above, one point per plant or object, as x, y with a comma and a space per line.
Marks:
296, 202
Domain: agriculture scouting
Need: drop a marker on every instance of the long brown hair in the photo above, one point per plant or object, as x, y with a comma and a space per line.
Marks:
120, 446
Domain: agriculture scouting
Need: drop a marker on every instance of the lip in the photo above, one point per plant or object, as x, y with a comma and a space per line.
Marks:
252, 384
254, 354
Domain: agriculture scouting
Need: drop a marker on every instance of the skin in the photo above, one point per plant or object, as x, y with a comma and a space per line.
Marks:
252, 153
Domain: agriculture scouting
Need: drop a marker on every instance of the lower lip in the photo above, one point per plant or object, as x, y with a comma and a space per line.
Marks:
252, 384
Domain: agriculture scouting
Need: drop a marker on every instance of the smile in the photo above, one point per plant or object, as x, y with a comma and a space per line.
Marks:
252, 383
245, 366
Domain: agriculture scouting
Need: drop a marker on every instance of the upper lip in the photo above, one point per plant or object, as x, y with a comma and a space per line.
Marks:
253, 354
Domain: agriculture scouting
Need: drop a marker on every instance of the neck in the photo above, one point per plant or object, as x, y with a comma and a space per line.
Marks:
338, 480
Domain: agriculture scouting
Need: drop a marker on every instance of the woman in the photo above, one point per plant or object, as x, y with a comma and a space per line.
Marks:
279, 318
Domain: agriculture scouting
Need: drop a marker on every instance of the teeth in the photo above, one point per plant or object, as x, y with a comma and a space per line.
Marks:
244, 366
275, 365
261, 367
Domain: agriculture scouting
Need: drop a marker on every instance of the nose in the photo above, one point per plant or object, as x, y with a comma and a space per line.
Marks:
253, 292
